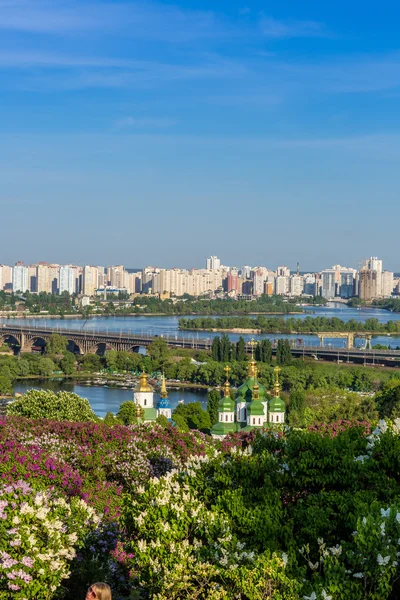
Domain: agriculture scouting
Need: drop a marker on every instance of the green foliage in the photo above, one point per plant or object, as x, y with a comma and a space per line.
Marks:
163, 421
127, 413
56, 344
158, 352
283, 353
68, 363
110, 420
6, 387
388, 400
212, 405
192, 416
61, 406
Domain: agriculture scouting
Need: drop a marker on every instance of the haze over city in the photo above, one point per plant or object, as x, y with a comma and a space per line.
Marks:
150, 132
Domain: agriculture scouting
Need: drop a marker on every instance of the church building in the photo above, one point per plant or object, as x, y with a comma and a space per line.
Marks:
252, 408
144, 399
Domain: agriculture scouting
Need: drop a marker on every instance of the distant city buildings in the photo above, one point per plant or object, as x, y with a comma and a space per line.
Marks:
369, 283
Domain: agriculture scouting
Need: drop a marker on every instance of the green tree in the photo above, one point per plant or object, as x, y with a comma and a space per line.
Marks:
240, 350
158, 352
225, 348
212, 405
68, 363
46, 367
56, 344
127, 413
6, 388
283, 353
163, 421
193, 416
216, 348
110, 419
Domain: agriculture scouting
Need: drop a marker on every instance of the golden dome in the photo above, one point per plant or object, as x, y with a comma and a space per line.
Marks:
143, 385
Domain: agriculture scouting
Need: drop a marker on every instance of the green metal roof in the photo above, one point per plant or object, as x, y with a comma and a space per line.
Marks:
150, 414
277, 405
255, 408
223, 428
245, 391
226, 404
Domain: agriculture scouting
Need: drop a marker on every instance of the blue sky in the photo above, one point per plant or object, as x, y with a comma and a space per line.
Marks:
160, 132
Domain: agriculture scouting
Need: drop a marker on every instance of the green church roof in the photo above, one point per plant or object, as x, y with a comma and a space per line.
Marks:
226, 404
223, 428
150, 414
276, 404
245, 391
256, 408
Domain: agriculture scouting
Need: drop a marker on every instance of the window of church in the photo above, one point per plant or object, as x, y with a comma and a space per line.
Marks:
277, 418
226, 417
259, 421
145, 402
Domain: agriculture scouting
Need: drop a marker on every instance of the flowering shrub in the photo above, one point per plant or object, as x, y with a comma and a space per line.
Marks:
60, 406
179, 548
38, 535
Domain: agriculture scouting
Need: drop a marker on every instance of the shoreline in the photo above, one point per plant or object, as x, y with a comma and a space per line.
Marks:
8, 315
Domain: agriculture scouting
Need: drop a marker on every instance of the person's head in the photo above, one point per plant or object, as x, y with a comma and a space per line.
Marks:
99, 591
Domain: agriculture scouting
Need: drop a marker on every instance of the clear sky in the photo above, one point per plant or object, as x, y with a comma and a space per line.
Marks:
159, 133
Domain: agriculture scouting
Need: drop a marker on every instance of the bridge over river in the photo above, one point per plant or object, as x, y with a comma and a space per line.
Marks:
25, 339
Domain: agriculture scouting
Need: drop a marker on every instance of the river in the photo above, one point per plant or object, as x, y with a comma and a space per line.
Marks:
168, 326
107, 399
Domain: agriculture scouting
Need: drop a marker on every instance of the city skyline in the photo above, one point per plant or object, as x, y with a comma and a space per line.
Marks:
147, 129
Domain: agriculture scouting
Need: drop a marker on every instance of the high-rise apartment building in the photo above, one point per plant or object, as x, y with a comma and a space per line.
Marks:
387, 284
43, 278
6, 277
67, 280
259, 278
347, 280
213, 263
283, 271
368, 284
296, 285
20, 278
90, 280
281, 287
375, 264
233, 284
329, 283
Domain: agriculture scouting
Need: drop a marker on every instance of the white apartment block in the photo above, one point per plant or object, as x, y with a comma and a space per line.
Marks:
213, 263
388, 284
20, 278
296, 285
67, 279
281, 285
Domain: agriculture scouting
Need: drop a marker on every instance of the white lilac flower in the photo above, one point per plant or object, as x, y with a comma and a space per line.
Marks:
382, 560
325, 596
383, 425
312, 597
383, 531
336, 550
358, 575
284, 558
385, 513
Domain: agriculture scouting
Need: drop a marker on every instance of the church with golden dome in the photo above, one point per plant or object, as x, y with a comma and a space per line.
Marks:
144, 399
252, 407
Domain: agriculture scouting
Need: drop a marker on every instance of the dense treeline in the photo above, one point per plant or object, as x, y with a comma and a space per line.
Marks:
189, 305
289, 325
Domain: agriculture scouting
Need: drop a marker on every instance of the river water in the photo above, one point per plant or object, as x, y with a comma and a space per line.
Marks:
168, 326
108, 399
103, 399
